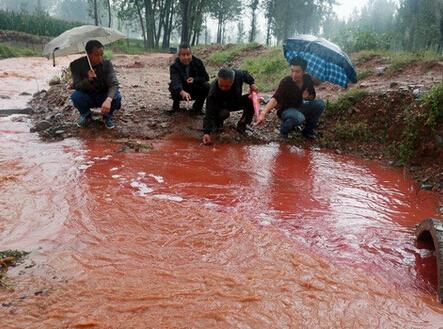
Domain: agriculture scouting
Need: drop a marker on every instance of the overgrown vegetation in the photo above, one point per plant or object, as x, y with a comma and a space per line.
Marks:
41, 24
9, 258
268, 69
346, 100
8, 51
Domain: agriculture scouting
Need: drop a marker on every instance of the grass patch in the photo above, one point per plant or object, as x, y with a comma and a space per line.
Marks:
8, 258
347, 100
108, 54
9, 52
363, 74
267, 69
400, 60
230, 53
357, 132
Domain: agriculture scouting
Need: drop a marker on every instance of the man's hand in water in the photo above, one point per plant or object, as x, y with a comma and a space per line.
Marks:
91, 75
185, 96
206, 139
106, 106
190, 80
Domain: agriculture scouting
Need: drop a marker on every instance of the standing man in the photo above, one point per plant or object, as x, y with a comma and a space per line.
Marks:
96, 87
295, 102
225, 96
189, 80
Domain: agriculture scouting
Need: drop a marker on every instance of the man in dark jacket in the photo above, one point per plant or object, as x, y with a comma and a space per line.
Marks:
295, 102
189, 80
225, 96
96, 87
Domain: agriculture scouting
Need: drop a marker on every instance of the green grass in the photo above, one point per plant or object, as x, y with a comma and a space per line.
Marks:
363, 74
267, 69
347, 100
348, 131
7, 51
230, 53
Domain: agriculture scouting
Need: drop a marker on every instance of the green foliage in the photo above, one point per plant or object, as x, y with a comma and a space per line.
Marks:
433, 102
39, 24
108, 54
8, 51
399, 60
347, 100
363, 74
267, 69
357, 132
7, 258
230, 53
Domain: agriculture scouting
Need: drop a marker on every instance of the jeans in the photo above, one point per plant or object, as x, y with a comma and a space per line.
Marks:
84, 102
309, 113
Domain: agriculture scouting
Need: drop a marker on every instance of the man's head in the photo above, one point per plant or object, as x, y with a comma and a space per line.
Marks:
225, 79
94, 49
298, 68
185, 53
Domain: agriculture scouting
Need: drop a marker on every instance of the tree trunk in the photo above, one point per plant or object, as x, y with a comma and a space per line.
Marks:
149, 21
186, 20
95, 13
109, 13
220, 28
142, 24
253, 33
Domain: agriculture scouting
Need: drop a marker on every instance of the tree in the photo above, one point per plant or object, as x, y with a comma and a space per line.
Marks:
253, 5
222, 11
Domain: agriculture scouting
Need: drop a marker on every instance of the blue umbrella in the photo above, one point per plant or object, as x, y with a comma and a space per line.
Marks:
326, 61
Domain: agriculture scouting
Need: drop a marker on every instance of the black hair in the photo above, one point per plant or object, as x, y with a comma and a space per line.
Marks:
226, 74
184, 45
298, 61
93, 44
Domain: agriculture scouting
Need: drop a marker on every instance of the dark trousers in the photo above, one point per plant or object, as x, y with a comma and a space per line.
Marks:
309, 114
85, 102
198, 92
244, 104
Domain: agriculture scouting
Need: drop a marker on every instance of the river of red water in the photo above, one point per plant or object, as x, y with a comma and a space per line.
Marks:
230, 236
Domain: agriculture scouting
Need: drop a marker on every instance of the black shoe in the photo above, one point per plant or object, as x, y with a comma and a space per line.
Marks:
309, 135
196, 112
241, 128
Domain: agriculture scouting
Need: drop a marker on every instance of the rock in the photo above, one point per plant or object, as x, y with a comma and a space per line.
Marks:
439, 140
363, 85
426, 186
380, 70
4, 97
40, 126
393, 84
164, 125
59, 132
418, 93
25, 94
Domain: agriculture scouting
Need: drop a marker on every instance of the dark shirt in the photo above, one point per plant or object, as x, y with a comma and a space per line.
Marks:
180, 73
290, 95
106, 81
218, 100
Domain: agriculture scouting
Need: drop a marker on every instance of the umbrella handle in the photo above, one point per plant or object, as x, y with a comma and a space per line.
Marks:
53, 56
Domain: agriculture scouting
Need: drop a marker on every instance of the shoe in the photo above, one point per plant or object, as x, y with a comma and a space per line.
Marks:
197, 112
84, 119
108, 122
241, 128
309, 135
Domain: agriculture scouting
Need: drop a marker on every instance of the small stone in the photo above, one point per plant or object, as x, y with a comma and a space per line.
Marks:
393, 84
418, 93
4, 97
59, 132
37, 293
40, 126
380, 70
25, 94
164, 125
363, 85
427, 186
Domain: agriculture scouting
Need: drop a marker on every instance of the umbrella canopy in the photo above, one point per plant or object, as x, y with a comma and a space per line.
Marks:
326, 61
74, 40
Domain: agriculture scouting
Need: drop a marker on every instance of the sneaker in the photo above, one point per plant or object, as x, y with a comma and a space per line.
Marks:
84, 119
108, 122
241, 128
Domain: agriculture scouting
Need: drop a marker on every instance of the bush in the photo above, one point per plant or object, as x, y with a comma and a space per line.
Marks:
8, 52
346, 101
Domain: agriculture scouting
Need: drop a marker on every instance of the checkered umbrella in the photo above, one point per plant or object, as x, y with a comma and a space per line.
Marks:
326, 61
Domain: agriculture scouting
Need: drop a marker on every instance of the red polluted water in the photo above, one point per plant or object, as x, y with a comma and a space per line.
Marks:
230, 236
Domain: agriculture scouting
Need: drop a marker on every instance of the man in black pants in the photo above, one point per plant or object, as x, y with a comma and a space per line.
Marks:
189, 80
225, 96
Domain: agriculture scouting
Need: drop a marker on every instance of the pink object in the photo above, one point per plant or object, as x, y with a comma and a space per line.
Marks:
254, 98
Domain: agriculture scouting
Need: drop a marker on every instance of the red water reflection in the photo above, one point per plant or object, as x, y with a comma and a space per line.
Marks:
232, 236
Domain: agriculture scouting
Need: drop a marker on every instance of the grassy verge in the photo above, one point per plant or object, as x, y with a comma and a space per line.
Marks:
9, 52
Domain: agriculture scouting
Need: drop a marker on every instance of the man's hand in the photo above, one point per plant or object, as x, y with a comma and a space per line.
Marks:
185, 96
91, 75
307, 96
253, 87
260, 119
106, 106
206, 139
190, 80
